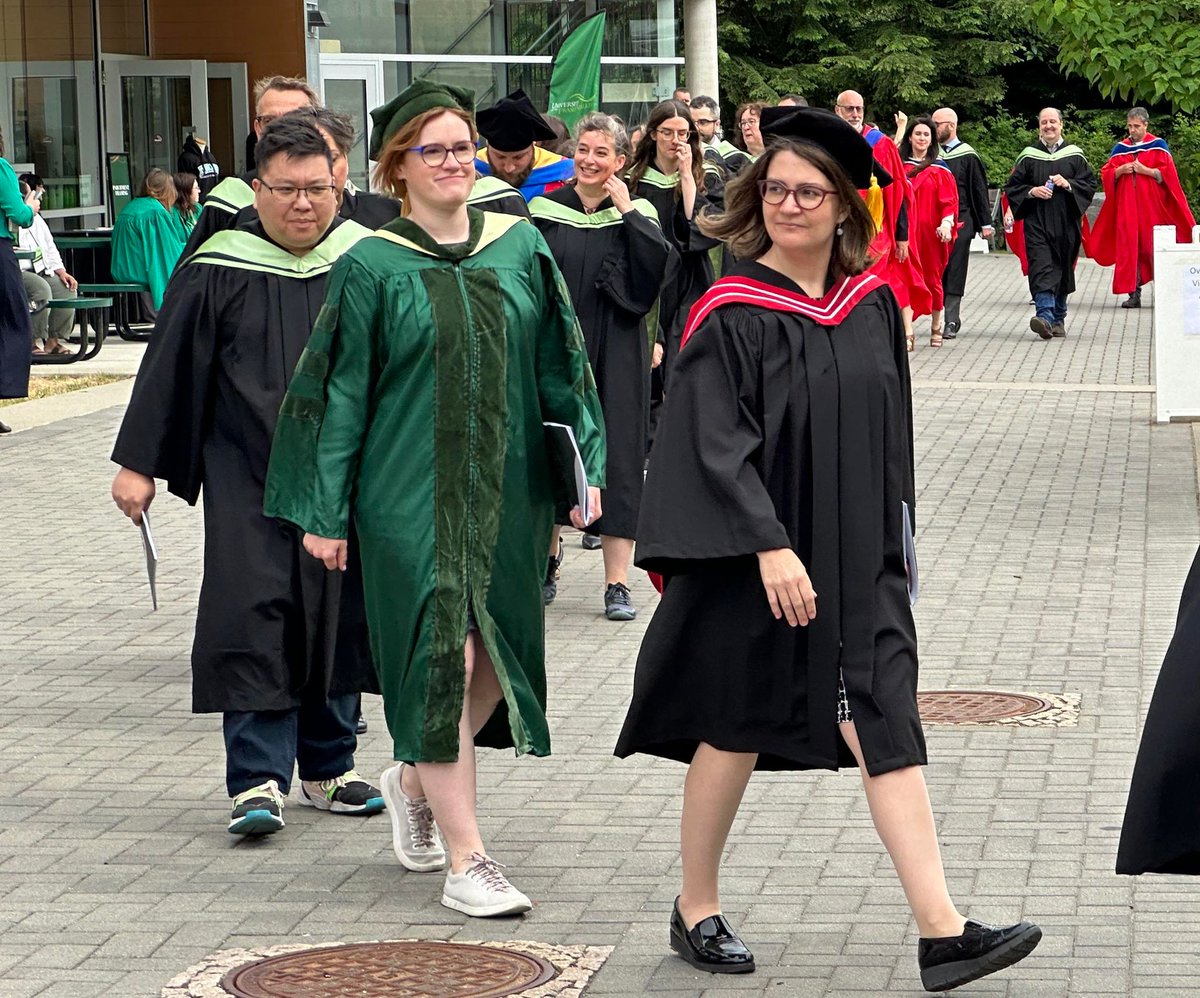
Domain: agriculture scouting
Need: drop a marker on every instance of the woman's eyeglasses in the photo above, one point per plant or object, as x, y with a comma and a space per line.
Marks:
747, 123
435, 154
682, 134
806, 196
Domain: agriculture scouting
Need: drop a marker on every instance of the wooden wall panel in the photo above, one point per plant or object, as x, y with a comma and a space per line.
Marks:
267, 35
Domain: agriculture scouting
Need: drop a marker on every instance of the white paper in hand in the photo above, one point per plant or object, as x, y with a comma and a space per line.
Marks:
151, 556
565, 454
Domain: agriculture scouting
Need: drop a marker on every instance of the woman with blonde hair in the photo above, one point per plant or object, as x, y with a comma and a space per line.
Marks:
445, 342
147, 240
776, 506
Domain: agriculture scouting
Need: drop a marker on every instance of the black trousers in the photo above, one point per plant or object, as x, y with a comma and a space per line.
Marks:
16, 332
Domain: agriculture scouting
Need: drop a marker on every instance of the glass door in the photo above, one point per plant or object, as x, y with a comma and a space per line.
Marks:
354, 87
151, 107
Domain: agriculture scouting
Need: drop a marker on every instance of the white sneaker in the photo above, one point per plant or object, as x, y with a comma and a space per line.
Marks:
415, 837
482, 890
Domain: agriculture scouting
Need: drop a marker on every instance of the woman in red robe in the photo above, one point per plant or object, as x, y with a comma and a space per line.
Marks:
934, 220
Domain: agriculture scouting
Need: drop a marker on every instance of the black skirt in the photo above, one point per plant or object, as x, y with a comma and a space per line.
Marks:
16, 333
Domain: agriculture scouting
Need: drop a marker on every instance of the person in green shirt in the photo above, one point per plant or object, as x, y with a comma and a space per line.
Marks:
15, 330
446, 340
186, 208
147, 239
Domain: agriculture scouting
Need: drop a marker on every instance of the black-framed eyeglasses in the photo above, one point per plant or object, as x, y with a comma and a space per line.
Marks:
807, 196
704, 121
286, 193
435, 153
266, 119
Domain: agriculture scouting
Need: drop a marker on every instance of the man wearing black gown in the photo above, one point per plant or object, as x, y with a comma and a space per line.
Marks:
1050, 189
281, 646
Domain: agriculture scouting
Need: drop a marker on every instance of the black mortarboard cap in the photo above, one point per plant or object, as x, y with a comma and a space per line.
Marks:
825, 129
513, 124
422, 96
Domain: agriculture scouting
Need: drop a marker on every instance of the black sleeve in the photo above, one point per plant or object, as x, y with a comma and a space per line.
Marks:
1020, 183
208, 223
704, 497
902, 223
977, 194
633, 273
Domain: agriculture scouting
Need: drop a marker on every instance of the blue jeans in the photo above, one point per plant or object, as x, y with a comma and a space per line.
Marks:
1051, 307
318, 737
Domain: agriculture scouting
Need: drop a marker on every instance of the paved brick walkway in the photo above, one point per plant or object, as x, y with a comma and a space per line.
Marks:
1056, 525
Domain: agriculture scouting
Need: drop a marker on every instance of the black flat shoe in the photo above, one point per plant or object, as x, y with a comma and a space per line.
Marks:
710, 945
5, 428
982, 949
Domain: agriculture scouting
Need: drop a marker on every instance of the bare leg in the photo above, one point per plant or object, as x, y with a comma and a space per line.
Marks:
554, 540
906, 313
712, 791
450, 786
903, 819
618, 553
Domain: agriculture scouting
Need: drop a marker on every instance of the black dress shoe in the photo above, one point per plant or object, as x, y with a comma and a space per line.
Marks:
951, 330
1041, 327
1058, 330
710, 945
982, 949
5, 428
1134, 300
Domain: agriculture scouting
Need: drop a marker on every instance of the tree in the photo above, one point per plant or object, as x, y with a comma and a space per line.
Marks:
901, 54
1146, 51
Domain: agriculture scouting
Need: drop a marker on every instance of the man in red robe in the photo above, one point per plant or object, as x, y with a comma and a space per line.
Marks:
893, 257
1142, 188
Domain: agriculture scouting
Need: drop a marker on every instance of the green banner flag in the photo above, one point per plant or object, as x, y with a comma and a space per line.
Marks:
575, 76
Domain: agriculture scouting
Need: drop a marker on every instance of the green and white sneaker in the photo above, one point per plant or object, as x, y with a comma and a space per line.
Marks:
257, 811
345, 794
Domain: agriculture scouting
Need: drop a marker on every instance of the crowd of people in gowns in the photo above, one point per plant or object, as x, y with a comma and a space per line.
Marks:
359, 383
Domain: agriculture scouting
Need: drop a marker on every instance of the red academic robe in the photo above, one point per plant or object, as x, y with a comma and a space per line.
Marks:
935, 196
903, 277
1124, 231
1015, 240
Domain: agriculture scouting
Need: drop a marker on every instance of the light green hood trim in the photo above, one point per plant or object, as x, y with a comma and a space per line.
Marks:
494, 226
243, 250
1029, 152
541, 207
231, 195
656, 179
727, 149
488, 189
962, 149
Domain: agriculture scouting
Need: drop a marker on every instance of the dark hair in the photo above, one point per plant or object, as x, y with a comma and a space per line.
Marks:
338, 125
184, 182
798, 99
708, 102
561, 143
644, 154
934, 150
741, 223
293, 135
32, 179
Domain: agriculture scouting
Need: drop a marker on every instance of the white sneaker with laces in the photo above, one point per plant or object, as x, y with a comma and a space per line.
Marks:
483, 891
415, 838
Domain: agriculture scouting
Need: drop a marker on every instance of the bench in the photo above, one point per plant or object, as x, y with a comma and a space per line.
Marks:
121, 312
88, 311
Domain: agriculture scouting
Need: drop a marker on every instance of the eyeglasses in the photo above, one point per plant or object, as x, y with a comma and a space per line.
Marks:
286, 193
435, 154
746, 123
852, 107
673, 133
806, 196
705, 121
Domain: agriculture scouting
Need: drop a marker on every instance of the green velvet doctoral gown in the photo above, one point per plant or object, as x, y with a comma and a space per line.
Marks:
419, 405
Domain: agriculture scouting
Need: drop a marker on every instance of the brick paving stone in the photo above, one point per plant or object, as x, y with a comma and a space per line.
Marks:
1055, 525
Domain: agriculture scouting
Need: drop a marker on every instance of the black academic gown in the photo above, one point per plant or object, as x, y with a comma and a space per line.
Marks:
695, 271
973, 215
614, 266
1053, 229
1161, 833
779, 432
272, 620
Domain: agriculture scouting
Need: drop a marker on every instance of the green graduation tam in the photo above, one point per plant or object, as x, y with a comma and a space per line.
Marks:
513, 124
825, 129
422, 96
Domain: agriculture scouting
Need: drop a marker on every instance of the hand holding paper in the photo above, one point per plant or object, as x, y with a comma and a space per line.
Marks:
578, 518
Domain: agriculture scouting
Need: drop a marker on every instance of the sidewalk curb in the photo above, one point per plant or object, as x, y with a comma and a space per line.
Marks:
40, 412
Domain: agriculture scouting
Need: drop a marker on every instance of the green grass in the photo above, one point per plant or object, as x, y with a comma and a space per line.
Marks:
60, 384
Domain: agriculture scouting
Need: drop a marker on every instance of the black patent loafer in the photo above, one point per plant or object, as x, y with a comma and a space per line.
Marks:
982, 949
710, 945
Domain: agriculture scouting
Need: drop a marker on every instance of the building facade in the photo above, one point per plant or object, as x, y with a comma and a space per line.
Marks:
89, 84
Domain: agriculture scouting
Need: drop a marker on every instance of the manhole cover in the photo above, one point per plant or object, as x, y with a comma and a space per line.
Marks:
397, 970
976, 706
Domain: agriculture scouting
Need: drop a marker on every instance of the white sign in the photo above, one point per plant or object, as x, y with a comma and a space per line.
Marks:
1191, 299
1176, 319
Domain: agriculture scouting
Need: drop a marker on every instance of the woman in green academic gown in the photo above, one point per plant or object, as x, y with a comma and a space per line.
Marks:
445, 341
147, 240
